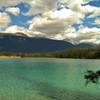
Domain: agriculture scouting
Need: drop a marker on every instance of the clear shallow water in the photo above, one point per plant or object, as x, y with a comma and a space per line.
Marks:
47, 79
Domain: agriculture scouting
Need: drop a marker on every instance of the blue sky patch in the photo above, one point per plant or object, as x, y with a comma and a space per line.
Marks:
95, 3
24, 7
22, 20
76, 26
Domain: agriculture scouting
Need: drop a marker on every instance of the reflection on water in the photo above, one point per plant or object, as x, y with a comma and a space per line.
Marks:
47, 79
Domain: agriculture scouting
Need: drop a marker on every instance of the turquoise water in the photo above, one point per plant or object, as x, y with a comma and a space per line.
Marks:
47, 79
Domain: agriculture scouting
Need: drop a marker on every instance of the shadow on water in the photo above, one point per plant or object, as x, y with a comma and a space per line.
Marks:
55, 93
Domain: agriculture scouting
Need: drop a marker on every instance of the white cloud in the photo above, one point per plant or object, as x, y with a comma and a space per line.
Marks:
90, 9
47, 5
95, 41
13, 10
55, 21
41, 5
17, 29
60, 14
68, 34
4, 19
9, 2
97, 21
75, 5
89, 30
55, 24
14, 29
88, 35
64, 16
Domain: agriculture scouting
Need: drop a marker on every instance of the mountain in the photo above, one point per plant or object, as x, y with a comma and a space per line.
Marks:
20, 43
85, 45
13, 43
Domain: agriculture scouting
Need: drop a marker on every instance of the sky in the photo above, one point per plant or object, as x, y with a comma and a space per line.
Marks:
76, 21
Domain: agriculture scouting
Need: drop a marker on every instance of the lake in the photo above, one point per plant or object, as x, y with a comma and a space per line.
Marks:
47, 79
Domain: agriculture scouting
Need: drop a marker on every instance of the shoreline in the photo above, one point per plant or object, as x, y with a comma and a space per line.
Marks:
44, 57
10, 57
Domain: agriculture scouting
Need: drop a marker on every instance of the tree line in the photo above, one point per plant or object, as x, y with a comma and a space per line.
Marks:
81, 53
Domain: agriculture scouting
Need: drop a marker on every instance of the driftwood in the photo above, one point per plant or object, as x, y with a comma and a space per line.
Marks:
92, 76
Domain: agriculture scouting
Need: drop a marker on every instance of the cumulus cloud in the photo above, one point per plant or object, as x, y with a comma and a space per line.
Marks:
97, 21
47, 5
10, 2
58, 17
88, 35
57, 24
17, 29
13, 10
4, 19
54, 21
41, 5
14, 29
68, 34
90, 9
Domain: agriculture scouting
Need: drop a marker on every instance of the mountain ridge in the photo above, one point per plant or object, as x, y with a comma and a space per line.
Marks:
22, 43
